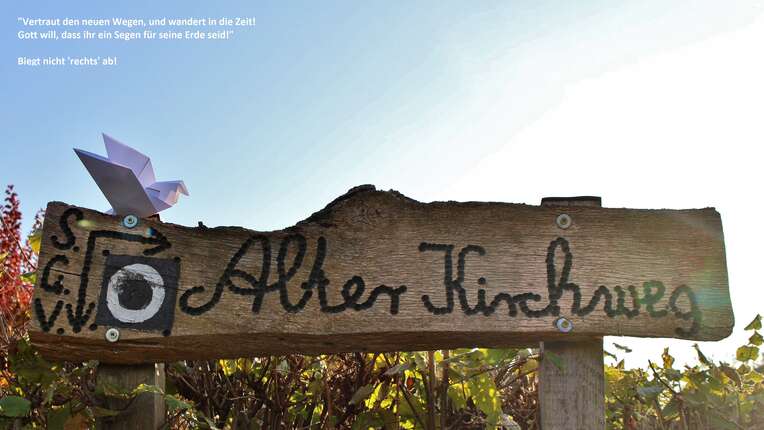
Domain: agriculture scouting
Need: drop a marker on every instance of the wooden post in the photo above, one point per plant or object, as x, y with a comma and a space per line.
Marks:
572, 396
572, 392
147, 411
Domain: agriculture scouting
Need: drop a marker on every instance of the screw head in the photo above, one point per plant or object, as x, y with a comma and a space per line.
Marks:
564, 325
564, 221
112, 335
130, 221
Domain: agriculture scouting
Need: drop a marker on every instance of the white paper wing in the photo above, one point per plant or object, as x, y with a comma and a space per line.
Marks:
119, 184
167, 191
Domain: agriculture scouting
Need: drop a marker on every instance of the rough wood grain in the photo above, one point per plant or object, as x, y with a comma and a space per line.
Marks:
572, 396
331, 282
572, 375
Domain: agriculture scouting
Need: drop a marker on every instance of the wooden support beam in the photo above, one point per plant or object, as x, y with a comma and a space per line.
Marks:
572, 375
146, 411
572, 396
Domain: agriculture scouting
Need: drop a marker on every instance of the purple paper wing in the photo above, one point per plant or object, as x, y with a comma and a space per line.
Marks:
128, 157
167, 191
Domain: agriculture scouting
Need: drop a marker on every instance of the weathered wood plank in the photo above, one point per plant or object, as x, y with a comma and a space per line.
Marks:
372, 271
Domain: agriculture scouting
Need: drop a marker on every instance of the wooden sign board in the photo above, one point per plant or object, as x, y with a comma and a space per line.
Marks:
376, 271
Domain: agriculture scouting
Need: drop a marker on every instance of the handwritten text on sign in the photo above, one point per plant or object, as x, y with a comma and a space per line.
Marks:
377, 271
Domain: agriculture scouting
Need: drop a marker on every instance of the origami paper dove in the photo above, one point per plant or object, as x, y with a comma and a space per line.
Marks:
126, 178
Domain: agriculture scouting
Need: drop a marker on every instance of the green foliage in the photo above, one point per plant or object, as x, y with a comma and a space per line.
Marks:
14, 406
751, 351
755, 324
708, 395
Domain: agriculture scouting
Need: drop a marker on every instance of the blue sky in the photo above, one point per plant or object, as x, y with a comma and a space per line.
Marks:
648, 104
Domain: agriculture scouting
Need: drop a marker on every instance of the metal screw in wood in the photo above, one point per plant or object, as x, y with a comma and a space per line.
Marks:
130, 221
563, 324
112, 335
